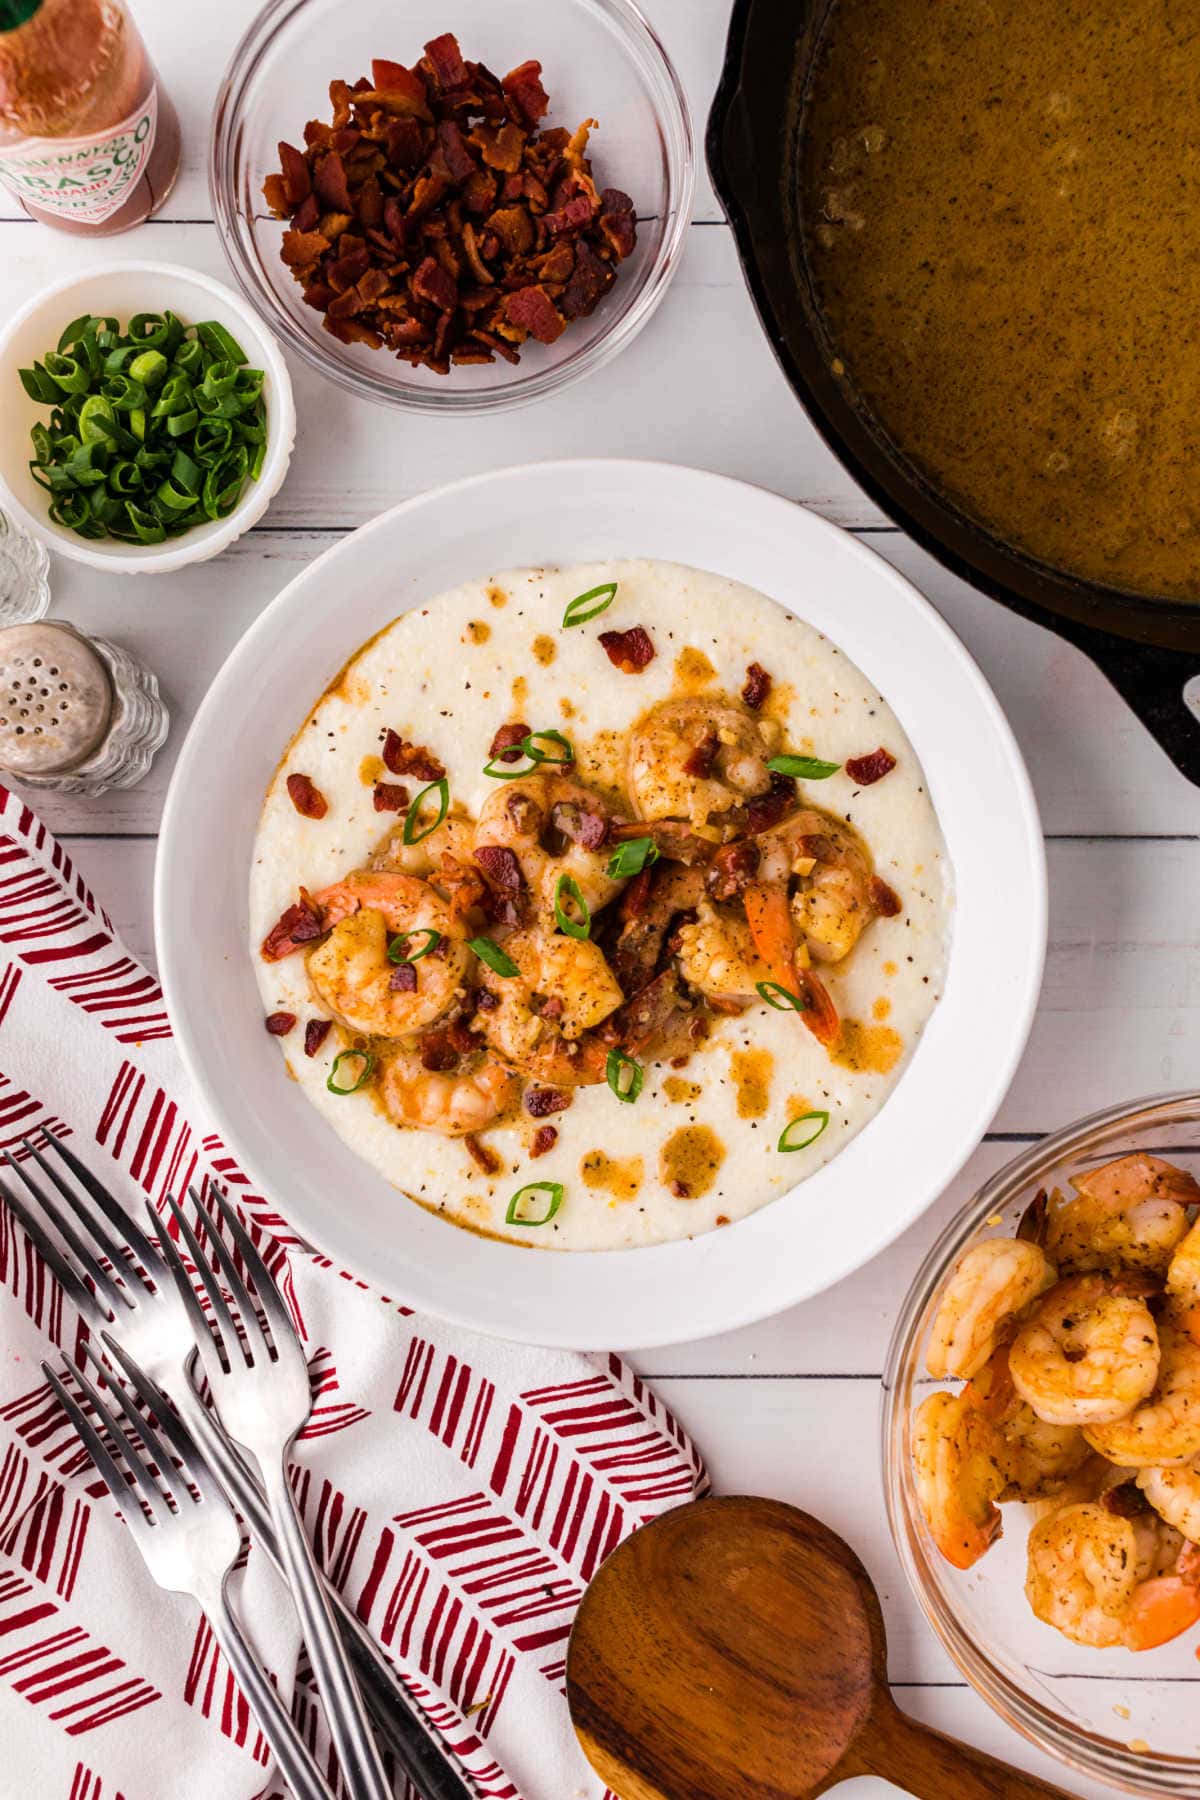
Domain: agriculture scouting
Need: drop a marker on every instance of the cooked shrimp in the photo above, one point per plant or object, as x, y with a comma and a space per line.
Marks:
454, 1102
446, 859
1174, 1493
828, 869
1087, 1354
1128, 1214
774, 933
351, 970
991, 1283
717, 954
958, 1465
697, 758
1085, 1578
555, 826
1039, 1459
542, 1016
1183, 1283
1165, 1429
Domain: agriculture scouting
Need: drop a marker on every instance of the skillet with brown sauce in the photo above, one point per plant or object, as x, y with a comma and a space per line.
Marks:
1002, 213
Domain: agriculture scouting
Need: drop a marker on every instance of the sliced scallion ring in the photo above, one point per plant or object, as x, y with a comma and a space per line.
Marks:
590, 605
816, 1120
367, 1070
781, 998
514, 1215
566, 888
805, 768
399, 950
499, 770
616, 1069
489, 952
442, 790
631, 857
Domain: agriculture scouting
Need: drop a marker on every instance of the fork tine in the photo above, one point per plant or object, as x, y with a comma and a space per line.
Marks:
168, 1475
126, 1497
164, 1415
83, 1254
265, 1284
80, 1296
257, 1348
129, 1232
211, 1334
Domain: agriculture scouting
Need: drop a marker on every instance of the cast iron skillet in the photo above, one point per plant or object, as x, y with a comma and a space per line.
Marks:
1148, 648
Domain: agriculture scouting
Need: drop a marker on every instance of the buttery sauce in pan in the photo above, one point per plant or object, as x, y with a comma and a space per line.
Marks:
1002, 212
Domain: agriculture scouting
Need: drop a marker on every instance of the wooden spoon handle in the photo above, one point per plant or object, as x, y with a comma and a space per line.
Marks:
932, 1767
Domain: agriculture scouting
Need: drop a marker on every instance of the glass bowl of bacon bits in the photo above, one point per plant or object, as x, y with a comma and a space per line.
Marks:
452, 212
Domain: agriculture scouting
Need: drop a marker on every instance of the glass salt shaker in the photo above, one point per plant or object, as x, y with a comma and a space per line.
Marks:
24, 575
77, 714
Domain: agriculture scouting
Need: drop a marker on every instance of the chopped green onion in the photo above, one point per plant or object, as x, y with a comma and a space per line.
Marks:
820, 1119
368, 1069
567, 887
808, 768
614, 1070
514, 1216
398, 949
590, 605
529, 745
632, 857
442, 789
786, 1001
499, 770
123, 404
490, 953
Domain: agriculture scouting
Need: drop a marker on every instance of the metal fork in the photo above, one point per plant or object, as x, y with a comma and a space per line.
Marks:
260, 1386
187, 1533
139, 1305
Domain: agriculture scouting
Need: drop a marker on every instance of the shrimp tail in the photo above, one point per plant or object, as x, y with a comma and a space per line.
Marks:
1160, 1610
771, 926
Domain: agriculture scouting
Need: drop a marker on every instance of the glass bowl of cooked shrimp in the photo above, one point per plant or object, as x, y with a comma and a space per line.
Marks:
1041, 1443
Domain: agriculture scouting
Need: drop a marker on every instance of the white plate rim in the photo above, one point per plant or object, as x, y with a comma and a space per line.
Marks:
684, 1290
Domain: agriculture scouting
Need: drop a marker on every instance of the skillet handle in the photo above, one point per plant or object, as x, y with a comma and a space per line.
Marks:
1161, 686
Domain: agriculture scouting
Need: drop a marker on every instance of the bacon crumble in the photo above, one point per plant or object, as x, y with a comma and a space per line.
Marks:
433, 215
307, 799
630, 651
544, 1138
506, 745
486, 1158
699, 761
865, 771
757, 686
540, 1102
885, 900
299, 924
403, 758
280, 1023
390, 796
403, 979
315, 1033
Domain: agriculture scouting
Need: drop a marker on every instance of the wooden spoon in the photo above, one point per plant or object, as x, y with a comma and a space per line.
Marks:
735, 1648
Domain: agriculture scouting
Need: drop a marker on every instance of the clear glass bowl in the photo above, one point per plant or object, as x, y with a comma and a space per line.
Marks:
600, 59
1109, 1714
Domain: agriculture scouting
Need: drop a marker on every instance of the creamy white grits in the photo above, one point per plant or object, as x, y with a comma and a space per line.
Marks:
445, 675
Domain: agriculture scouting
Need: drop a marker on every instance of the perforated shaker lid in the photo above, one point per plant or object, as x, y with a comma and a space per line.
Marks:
56, 699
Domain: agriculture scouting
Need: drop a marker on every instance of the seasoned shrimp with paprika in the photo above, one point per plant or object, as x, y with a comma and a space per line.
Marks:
1129, 1214
1084, 1578
394, 958
992, 1282
697, 758
1165, 1428
958, 1463
467, 1096
556, 828
1087, 1354
540, 1020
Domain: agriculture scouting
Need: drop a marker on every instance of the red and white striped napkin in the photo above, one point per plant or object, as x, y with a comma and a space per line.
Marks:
462, 1491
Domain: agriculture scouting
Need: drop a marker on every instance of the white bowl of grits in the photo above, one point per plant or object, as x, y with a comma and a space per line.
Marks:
628, 884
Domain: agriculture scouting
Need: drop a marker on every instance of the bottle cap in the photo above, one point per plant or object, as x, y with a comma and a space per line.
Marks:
15, 12
56, 699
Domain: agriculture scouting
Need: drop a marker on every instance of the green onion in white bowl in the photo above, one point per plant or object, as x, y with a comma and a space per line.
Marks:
85, 459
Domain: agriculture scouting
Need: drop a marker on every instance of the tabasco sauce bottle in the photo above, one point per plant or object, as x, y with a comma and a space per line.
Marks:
88, 139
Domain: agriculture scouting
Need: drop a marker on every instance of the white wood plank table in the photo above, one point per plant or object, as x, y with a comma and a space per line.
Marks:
787, 1408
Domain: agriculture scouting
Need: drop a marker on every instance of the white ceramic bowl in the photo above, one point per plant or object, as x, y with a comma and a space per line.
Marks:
565, 513
122, 289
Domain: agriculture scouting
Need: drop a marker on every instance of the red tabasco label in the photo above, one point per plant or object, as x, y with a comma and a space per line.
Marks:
85, 179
